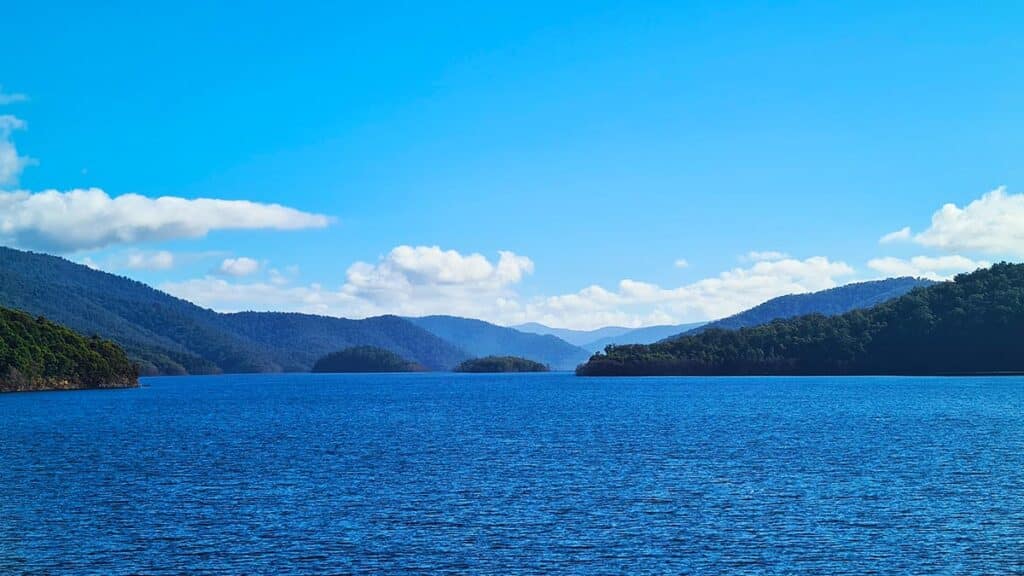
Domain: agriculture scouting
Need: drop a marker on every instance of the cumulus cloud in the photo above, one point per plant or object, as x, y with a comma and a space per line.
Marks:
409, 281
934, 268
241, 266
11, 163
682, 263
900, 235
992, 224
423, 280
636, 303
85, 219
159, 260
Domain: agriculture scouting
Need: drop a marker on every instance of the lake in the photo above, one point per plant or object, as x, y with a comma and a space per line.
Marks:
532, 473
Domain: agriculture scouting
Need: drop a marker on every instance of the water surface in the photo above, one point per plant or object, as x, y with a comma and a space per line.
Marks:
501, 474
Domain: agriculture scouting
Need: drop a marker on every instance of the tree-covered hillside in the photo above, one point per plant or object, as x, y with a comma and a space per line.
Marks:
827, 302
490, 364
480, 338
36, 354
972, 325
171, 336
365, 359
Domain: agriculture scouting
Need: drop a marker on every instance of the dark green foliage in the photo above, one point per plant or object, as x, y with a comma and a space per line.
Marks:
168, 335
481, 338
365, 359
972, 325
36, 354
828, 302
501, 364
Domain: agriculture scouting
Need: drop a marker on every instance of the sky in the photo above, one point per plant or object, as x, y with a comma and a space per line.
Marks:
576, 164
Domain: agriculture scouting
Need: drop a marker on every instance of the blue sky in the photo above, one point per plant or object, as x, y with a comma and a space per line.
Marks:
599, 143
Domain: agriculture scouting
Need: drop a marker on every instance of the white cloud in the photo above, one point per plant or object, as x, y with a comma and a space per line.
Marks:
416, 281
765, 256
241, 266
934, 268
84, 219
639, 303
159, 260
11, 97
992, 224
682, 263
898, 236
11, 163
409, 281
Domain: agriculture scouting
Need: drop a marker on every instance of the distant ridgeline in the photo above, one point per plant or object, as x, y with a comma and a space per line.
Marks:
972, 325
365, 359
36, 354
501, 364
828, 302
479, 338
168, 335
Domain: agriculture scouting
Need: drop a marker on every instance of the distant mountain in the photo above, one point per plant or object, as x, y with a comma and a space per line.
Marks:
575, 337
974, 325
164, 334
828, 302
480, 338
36, 354
647, 335
596, 340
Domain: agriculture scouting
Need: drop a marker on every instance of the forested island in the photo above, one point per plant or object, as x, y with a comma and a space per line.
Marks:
501, 364
36, 354
365, 359
972, 325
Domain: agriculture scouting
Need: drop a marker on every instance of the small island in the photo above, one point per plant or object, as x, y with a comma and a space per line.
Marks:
365, 359
501, 364
36, 355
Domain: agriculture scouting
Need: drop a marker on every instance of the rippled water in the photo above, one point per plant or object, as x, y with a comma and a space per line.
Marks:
516, 474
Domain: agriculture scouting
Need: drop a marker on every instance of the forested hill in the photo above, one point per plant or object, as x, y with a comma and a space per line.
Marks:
828, 302
365, 359
495, 364
480, 338
36, 354
972, 325
169, 335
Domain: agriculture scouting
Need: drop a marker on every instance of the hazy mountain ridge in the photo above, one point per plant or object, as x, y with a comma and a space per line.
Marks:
479, 338
830, 302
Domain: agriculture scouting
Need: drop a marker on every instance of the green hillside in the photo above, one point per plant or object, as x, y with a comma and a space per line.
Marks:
168, 335
36, 354
972, 325
489, 364
828, 302
365, 359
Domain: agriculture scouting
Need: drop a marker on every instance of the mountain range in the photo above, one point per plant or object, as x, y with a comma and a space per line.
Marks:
480, 338
827, 302
596, 340
972, 325
167, 335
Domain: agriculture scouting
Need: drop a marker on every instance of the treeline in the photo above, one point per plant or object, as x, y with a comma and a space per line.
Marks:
974, 324
501, 364
365, 359
36, 354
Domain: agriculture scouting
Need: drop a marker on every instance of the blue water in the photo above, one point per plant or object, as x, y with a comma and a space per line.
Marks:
476, 474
